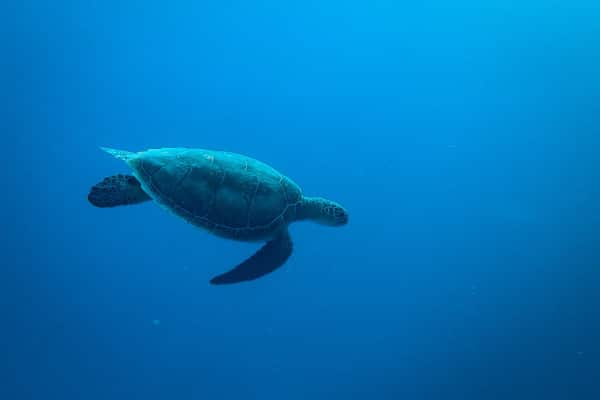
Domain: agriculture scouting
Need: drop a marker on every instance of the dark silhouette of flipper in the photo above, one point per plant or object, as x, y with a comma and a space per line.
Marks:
117, 190
270, 257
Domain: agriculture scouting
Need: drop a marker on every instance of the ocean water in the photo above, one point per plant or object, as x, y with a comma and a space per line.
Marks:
463, 137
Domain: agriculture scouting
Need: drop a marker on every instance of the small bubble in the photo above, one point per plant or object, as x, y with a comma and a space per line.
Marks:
156, 322
185, 268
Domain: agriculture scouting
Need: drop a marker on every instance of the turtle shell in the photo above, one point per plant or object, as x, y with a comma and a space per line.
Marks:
229, 194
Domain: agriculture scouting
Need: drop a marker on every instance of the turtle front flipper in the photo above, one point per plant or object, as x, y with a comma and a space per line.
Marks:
117, 190
270, 257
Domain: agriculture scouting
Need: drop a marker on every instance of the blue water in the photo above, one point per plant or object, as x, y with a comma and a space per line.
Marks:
463, 137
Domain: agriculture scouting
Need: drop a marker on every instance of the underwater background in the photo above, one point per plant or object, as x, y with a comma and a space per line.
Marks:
463, 137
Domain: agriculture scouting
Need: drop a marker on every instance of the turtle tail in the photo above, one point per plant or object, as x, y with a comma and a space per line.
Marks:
120, 154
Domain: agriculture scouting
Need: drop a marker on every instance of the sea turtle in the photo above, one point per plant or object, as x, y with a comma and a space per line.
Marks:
230, 195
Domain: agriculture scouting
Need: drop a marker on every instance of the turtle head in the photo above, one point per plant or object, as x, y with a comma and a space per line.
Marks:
323, 211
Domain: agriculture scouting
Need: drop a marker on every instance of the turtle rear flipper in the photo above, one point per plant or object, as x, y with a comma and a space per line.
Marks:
270, 257
117, 190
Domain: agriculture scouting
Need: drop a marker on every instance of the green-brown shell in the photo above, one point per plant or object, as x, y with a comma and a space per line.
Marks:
229, 194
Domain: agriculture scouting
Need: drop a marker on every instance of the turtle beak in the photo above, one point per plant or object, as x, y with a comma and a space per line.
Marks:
340, 216
344, 218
